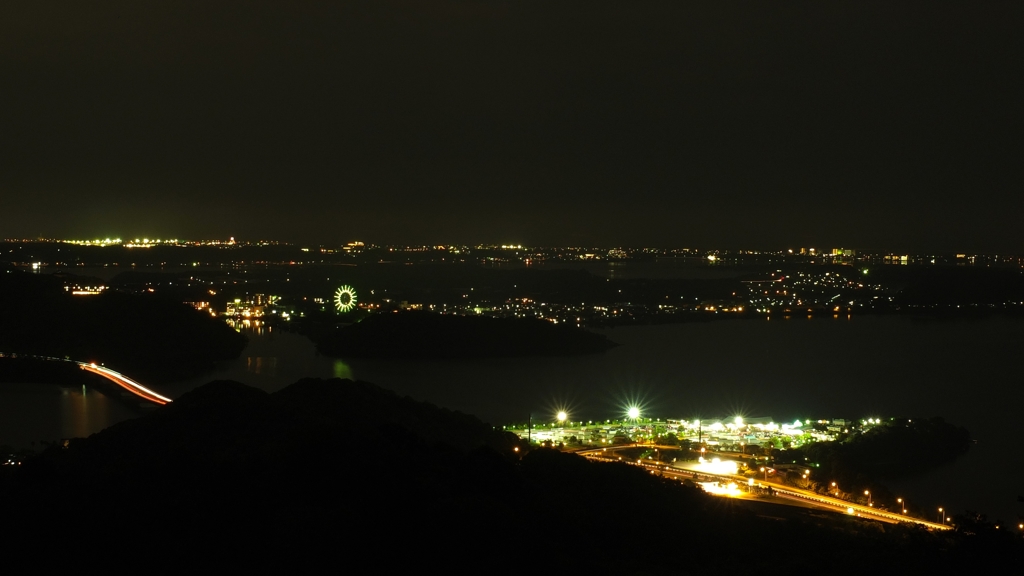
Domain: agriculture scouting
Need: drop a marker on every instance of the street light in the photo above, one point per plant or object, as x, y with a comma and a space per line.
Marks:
903, 504
943, 512
868, 494
561, 416
834, 485
765, 470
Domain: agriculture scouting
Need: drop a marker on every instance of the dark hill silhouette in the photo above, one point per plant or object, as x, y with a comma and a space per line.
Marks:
144, 336
881, 452
347, 475
425, 334
966, 287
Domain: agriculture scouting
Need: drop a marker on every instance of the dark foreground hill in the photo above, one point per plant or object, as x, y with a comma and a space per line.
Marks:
429, 335
347, 477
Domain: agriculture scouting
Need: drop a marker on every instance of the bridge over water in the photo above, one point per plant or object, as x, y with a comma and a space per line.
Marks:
116, 377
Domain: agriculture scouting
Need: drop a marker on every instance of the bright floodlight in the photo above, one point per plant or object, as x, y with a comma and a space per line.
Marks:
562, 416
633, 412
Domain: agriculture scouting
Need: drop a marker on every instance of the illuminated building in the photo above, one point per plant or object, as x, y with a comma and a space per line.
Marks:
255, 307
79, 290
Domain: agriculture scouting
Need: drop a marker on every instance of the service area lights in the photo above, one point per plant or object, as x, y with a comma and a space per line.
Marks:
718, 489
717, 466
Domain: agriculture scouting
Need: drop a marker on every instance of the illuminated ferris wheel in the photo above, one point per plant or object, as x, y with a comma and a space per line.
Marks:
345, 298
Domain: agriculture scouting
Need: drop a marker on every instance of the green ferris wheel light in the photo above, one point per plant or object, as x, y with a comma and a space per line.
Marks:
345, 298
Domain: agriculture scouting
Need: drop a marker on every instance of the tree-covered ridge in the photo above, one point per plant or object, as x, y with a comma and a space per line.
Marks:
864, 460
143, 335
892, 449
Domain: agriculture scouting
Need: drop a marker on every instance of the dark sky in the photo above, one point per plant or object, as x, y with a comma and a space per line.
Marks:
887, 125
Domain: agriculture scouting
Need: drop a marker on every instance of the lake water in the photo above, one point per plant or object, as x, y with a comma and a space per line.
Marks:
965, 371
34, 414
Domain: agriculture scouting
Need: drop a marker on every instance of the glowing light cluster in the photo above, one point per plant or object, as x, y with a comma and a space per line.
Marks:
717, 466
96, 242
345, 298
716, 488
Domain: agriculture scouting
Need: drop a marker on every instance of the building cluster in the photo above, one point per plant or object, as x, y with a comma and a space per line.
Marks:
80, 289
521, 254
579, 315
255, 306
231, 278
813, 292
750, 436
151, 242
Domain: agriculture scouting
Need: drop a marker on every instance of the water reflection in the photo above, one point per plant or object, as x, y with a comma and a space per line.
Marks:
342, 370
616, 271
261, 366
252, 326
784, 369
31, 413
271, 361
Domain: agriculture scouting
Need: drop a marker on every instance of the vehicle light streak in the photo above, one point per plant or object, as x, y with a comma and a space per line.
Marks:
714, 485
125, 382
718, 489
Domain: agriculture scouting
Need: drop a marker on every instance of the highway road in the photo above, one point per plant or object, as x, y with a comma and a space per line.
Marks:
115, 377
796, 496
124, 382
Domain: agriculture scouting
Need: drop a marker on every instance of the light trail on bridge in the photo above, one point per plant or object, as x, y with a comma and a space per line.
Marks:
115, 377
124, 382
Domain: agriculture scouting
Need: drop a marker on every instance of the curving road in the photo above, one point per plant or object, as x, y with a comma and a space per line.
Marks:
124, 382
115, 377
797, 495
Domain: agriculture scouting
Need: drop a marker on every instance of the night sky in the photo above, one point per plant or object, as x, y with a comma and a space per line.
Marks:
866, 124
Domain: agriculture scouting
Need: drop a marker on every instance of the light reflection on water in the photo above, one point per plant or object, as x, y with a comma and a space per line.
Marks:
31, 413
797, 368
249, 326
259, 365
342, 370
